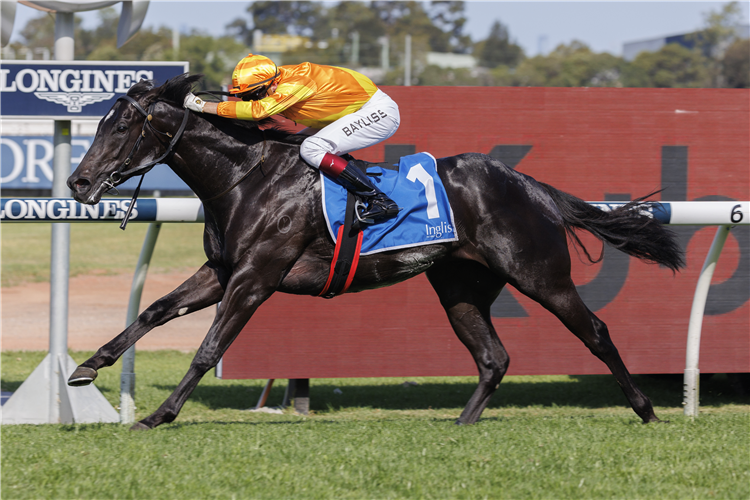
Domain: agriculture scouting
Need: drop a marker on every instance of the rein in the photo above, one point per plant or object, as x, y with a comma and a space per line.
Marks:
216, 94
244, 176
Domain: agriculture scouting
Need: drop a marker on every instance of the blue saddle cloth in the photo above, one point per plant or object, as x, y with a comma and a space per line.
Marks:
426, 216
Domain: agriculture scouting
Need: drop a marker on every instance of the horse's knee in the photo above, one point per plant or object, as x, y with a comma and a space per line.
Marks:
502, 362
493, 370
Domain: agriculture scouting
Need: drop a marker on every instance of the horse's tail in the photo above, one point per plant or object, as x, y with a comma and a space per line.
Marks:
625, 228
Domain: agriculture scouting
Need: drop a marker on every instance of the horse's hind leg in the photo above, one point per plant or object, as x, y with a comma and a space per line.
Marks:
563, 301
197, 292
467, 291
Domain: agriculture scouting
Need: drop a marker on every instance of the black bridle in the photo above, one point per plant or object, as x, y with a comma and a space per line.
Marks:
117, 176
124, 172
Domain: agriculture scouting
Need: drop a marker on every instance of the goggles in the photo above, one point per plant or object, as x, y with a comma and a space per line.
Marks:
258, 92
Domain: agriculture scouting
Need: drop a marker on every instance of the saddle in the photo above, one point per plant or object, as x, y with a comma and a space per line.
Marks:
425, 218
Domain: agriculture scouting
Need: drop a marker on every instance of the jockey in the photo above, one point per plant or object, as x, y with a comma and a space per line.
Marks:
343, 110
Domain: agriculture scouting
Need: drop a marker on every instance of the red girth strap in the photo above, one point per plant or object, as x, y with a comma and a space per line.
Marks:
344, 263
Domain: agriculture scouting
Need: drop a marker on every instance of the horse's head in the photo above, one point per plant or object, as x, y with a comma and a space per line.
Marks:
132, 137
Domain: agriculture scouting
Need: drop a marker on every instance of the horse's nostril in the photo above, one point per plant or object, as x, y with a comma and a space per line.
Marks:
79, 184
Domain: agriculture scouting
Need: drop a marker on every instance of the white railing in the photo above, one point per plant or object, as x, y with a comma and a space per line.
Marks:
156, 211
701, 213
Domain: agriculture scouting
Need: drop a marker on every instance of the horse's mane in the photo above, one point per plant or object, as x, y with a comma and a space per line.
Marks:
174, 91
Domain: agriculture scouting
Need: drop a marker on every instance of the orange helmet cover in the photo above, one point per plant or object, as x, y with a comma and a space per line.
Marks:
252, 71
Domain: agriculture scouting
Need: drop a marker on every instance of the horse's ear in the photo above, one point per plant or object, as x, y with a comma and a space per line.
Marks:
193, 78
140, 88
186, 80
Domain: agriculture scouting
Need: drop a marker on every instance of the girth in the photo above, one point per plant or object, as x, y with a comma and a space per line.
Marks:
346, 254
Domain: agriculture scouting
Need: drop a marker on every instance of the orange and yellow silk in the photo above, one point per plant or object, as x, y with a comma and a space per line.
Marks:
310, 94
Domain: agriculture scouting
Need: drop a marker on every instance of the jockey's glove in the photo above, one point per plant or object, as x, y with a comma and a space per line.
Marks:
194, 103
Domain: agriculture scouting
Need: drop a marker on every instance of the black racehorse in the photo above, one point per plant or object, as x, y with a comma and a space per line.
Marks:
265, 232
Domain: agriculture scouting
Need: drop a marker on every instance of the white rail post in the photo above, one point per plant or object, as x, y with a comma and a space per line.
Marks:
127, 377
60, 246
691, 384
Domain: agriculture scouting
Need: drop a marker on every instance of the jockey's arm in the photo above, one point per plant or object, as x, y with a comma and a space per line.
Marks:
278, 99
276, 102
211, 108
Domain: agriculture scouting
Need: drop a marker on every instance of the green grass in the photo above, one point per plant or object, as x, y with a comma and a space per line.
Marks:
541, 437
97, 249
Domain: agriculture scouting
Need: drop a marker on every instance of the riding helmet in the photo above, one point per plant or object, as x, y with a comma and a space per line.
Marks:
251, 74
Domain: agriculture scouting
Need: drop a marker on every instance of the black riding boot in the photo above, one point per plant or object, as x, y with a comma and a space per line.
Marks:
378, 205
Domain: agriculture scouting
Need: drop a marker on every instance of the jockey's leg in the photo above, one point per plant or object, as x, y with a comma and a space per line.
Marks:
379, 206
376, 121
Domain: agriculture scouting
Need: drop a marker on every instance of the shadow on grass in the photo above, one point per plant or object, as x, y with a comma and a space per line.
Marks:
11, 385
172, 426
590, 391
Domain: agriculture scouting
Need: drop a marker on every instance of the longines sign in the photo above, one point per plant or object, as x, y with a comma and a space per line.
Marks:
65, 90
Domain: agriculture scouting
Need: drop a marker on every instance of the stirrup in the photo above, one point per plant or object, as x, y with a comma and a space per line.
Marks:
386, 213
357, 205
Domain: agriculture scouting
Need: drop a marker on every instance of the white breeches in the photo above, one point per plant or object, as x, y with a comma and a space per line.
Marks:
376, 121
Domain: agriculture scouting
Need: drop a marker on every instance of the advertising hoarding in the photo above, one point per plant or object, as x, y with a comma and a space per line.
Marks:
66, 90
598, 144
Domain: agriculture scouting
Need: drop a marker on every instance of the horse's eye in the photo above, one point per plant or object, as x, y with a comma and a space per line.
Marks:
121, 128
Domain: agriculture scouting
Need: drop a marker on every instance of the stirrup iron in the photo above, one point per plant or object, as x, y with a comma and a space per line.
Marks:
357, 205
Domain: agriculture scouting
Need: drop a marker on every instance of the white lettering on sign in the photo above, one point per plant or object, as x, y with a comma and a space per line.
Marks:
104, 81
4, 81
60, 209
18, 162
21, 80
32, 161
49, 80
72, 88
32, 156
72, 80
10, 213
37, 209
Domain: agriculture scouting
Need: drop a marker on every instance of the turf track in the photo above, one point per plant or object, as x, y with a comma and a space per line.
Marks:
541, 437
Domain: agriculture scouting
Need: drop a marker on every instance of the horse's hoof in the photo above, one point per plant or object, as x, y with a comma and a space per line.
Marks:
458, 422
140, 426
82, 376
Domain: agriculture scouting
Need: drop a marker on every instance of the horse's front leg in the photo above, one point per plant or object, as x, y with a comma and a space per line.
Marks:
197, 292
246, 290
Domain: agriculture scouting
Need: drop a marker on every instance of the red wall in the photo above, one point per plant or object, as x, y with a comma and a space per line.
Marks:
595, 143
